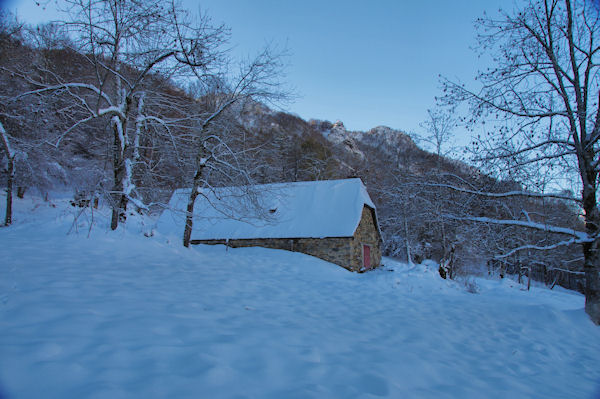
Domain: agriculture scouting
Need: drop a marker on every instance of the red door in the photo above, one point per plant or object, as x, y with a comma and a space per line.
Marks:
367, 256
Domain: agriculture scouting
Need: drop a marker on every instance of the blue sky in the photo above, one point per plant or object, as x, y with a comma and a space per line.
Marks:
366, 63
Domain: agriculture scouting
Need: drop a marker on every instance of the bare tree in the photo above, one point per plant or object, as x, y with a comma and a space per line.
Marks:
8, 29
23, 126
401, 216
440, 131
543, 100
257, 80
439, 126
129, 46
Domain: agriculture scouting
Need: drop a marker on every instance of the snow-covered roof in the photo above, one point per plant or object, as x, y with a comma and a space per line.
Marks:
313, 209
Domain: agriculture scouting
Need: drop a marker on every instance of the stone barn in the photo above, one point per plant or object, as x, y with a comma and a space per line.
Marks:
334, 220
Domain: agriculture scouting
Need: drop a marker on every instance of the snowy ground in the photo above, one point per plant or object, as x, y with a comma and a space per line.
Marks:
119, 315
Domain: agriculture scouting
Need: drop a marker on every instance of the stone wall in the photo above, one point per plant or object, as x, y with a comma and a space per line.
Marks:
336, 250
343, 251
366, 233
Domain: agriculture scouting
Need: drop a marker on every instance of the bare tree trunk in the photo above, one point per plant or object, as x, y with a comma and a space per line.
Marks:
592, 280
121, 174
408, 254
9, 190
10, 176
118, 210
591, 250
189, 216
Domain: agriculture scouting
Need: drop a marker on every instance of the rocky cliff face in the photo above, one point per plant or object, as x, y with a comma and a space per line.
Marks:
382, 137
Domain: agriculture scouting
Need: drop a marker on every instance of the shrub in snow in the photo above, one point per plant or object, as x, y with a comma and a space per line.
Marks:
471, 285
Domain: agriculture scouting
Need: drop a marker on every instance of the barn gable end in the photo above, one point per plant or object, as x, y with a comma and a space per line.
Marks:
367, 233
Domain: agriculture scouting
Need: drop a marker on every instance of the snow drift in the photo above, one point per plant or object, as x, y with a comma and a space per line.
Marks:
120, 315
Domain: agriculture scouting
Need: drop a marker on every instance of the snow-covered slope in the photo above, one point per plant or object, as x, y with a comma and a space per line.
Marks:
120, 315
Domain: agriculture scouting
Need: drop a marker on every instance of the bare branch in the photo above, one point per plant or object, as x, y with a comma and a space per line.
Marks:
505, 194
580, 236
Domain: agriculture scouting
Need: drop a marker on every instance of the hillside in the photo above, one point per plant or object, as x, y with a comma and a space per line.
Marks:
257, 144
118, 315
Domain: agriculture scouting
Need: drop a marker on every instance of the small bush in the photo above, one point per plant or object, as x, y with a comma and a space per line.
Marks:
471, 286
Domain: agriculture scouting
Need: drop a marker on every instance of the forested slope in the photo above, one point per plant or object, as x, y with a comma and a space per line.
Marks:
423, 199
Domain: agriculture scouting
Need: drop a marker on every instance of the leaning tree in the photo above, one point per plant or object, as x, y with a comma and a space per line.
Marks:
257, 79
540, 105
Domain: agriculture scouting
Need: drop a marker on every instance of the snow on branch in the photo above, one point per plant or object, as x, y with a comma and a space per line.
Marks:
538, 248
505, 194
560, 269
579, 236
5, 143
84, 86
69, 130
